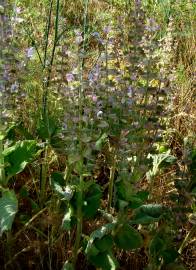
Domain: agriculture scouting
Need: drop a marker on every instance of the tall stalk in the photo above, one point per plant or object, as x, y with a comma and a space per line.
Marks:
111, 179
47, 82
43, 173
81, 96
3, 22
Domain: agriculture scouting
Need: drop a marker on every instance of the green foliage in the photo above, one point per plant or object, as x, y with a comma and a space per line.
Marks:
100, 94
127, 238
8, 210
147, 214
16, 157
160, 161
105, 261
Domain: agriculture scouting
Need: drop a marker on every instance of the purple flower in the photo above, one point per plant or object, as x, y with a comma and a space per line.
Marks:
152, 25
30, 52
130, 92
14, 87
96, 35
79, 37
69, 77
17, 10
107, 29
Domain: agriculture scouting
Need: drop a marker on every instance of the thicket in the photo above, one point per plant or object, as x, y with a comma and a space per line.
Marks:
97, 134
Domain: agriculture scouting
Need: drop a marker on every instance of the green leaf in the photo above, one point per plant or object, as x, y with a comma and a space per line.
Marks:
157, 245
58, 178
8, 209
18, 156
160, 160
169, 255
47, 131
92, 200
124, 190
104, 261
65, 192
66, 222
57, 182
98, 234
104, 244
146, 214
101, 141
128, 238
68, 266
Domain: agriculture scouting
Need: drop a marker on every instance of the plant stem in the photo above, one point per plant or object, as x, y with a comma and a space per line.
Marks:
187, 238
79, 222
47, 33
79, 213
2, 170
43, 177
47, 83
111, 183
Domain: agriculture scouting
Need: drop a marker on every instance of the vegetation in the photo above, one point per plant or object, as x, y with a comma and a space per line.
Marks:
97, 134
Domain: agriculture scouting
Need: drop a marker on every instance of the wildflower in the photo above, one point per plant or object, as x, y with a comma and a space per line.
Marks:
94, 98
96, 35
14, 87
130, 92
17, 10
151, 25
79, 37
69, 77
107, 29
30, 52
17, 19
99, 114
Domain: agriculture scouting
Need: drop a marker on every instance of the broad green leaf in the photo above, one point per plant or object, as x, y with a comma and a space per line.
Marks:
124, 190
160, 160
66, 222
104, 261
101, 141
8, 209
98, 234
169, 255
104, 244
128, 238
18, 156
92, 200
157, 245
57, 182
66, 192
47, 131
146, 214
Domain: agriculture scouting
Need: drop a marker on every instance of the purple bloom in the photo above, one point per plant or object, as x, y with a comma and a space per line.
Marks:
130, 92
152, 25
14, 87
107, 29
30, 52
96, 35
79, 37
69, 77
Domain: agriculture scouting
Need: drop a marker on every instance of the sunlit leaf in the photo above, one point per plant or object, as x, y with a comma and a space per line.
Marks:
19, 155
8, 210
